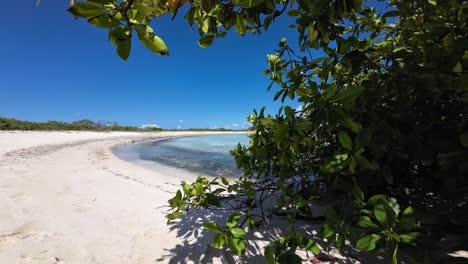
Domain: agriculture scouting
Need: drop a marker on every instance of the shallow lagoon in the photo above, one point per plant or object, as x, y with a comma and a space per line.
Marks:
204, 155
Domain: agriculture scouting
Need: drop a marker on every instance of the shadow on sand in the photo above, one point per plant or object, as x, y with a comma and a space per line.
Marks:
196, 249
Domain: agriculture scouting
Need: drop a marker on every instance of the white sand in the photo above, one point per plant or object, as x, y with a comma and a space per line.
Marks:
65, 198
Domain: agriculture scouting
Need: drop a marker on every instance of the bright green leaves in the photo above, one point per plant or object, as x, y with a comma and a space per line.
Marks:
87, 9
123, 48
368, 242
218, 241
236, 245
233, 219
197, 195
237, 232
122, 19
231, 236
384, 214
151, 41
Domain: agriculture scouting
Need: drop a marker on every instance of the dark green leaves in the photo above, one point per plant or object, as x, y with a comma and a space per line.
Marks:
123, 48
206, 41
247, 3
348, 95
87, 9
366, 222
290, 258
345, 140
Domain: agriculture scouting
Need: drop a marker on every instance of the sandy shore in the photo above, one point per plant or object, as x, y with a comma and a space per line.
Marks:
65, 198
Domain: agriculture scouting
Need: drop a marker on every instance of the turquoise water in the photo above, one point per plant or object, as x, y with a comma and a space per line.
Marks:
204, 155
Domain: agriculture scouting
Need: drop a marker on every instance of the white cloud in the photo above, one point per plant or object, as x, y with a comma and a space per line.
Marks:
179, 127
246, 125
149, 126
235, 125
181, 121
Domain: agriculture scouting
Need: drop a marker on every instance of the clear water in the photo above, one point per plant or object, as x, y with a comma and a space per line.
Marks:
204, 155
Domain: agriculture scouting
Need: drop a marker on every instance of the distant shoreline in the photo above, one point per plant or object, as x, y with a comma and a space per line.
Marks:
86, 125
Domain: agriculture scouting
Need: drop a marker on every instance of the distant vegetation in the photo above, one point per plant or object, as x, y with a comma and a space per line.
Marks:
84, 125
215, 129
80, 125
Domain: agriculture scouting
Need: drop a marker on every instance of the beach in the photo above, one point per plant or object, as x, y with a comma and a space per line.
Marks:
66, 198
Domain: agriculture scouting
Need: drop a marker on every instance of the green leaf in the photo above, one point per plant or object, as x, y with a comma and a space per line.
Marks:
409, 237
377, 199
225, 180
335, 164
103, 21
188, 189
345, 140
385, 215
236, 245
237, 232
218, 241
270, 253
174, 215
348, 95
458, 68
240, 26
212, 199
174, 202
340, 242
368, 242
233, 219
86, 9
358, 196
153, 43
366, 222
206, 41
407, 224
247, 3
123, 48
213, 227
407, 211
326, 231
310, 245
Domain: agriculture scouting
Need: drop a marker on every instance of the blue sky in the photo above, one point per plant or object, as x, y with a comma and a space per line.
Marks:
55, 67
